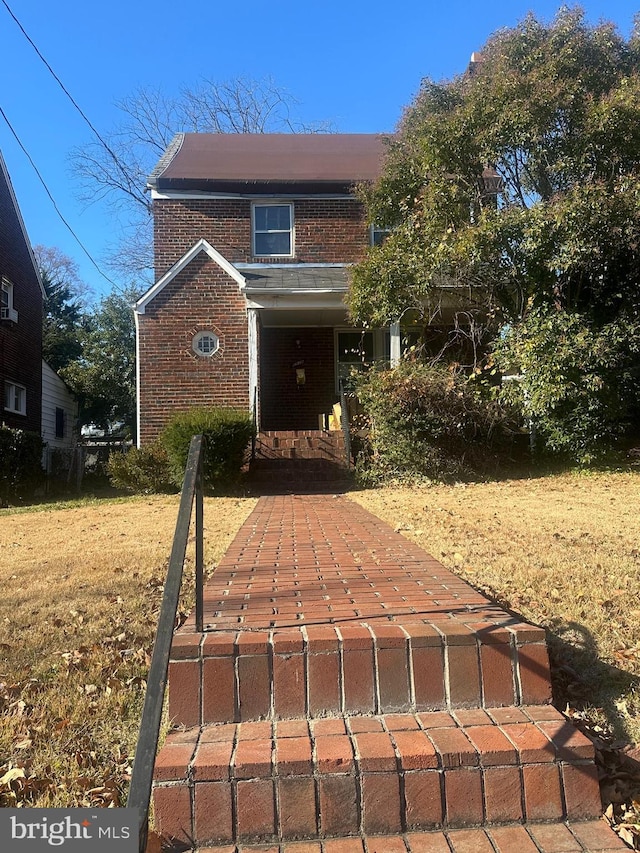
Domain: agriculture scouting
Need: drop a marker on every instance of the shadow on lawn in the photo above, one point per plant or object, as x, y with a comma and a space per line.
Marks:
581, 679
591, 692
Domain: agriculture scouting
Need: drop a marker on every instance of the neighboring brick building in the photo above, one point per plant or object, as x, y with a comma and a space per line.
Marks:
20, 318
253, 238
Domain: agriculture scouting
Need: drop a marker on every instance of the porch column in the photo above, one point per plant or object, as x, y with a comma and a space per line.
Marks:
394, 340
252, 322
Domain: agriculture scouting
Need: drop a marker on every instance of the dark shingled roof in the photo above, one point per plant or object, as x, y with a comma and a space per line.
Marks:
273, 162
295, 278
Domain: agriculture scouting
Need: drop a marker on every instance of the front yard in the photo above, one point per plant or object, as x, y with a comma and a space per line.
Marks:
81, 593
564, 551
82, 585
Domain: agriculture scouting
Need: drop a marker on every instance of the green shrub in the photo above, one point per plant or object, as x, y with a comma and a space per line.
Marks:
21, 469
579, 382
145, 470
430, 422
227, 433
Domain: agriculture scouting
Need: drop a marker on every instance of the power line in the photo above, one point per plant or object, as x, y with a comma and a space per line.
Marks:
102, 141
53, 201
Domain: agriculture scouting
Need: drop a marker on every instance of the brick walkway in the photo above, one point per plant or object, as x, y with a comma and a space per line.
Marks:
351, 695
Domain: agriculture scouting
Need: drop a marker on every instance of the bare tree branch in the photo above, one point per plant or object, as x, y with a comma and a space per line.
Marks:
150, 119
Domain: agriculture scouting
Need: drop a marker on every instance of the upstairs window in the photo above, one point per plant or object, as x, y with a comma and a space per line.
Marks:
15, 398
273, 230
7, 311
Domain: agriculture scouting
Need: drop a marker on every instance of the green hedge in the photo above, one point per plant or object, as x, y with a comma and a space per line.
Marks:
143, 470
579, 381
227, 433
20, 463
160, 466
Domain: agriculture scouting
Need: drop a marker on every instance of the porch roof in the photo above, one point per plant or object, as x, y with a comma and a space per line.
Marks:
294, 278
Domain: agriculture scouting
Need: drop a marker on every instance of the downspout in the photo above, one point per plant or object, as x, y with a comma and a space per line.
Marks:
136, 320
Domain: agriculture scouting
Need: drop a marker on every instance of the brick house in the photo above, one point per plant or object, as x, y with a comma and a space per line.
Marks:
20, 317
253, 238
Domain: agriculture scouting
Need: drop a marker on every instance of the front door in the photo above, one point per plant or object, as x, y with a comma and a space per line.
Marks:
297, 376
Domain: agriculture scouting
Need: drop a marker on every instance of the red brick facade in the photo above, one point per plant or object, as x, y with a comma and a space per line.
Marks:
172, 377
202, 297
190, 207
20, 341
327, 231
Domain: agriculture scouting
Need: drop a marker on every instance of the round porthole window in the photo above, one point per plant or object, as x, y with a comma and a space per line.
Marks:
205, 343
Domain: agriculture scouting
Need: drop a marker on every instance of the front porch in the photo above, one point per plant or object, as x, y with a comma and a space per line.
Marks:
301, 342
300, 368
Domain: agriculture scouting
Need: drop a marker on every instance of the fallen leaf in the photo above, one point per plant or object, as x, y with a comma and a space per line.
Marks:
11, 775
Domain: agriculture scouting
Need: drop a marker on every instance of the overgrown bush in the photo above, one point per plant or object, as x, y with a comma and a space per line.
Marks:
145, 470
431, 422
20, 463
579, 381
227, 433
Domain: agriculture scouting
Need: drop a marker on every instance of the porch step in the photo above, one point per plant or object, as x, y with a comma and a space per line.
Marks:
286, 471
301, 444
298, 459
383, 774
352, 668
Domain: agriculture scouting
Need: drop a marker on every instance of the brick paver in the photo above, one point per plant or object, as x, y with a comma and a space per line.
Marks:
325, 560
350, 693
592, 837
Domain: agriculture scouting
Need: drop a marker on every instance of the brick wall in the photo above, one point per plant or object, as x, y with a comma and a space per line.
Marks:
172, 377
283, 403
21, 342
326, 231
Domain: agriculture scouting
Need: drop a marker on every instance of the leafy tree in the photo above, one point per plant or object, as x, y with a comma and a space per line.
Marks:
103, 377
578, 380
62, 308
514, 189
118, 171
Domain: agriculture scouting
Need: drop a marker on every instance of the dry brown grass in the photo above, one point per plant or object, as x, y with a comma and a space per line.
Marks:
562, 550
82, 584
81, 591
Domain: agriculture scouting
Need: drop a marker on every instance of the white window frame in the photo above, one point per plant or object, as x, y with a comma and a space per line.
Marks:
11, 398
290, 231
205, 334
7, 311
382, 231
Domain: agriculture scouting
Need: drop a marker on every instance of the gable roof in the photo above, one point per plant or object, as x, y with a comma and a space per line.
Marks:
201, 246
323, 162
9, 208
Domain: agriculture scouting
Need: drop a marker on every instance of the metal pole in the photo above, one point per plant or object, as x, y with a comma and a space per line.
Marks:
200, 544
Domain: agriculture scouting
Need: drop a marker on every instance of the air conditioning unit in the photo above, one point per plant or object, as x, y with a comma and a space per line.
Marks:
9, 314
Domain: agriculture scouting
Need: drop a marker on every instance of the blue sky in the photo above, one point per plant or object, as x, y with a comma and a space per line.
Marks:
353, 63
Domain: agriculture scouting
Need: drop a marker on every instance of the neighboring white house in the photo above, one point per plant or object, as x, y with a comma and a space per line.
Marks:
59, 415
